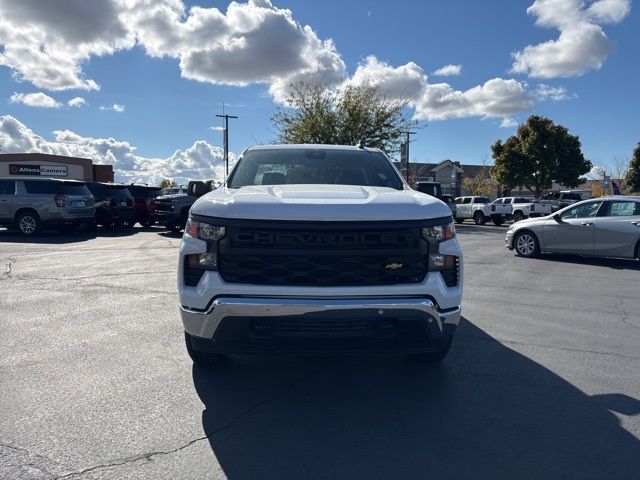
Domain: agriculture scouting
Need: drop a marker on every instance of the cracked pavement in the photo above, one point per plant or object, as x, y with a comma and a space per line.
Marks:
95, 383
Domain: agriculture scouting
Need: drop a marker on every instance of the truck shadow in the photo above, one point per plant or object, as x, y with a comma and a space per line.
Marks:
486, 412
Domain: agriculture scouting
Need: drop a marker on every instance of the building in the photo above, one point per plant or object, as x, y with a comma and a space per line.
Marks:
448, 173
54, 166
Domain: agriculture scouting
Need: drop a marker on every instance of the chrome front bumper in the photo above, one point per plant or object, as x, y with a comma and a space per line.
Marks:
205, 323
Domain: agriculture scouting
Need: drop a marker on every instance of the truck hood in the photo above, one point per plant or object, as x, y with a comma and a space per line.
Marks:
319, 203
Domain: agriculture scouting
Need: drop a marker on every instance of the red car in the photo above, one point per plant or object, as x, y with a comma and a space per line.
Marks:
144, 207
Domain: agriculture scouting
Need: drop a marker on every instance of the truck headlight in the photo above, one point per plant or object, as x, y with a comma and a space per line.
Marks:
439, 233
446, 264
196, 264
204, 231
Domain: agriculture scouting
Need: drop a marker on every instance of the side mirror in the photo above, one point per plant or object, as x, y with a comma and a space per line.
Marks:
198, 188
557, 218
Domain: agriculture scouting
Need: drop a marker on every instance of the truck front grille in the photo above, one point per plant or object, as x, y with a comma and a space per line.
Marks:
353, 256
163, 205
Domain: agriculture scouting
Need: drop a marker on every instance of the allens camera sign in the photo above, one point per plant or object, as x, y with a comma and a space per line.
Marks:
41, 170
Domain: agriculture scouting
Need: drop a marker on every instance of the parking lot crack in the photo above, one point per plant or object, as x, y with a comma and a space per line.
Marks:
150, 456
9, 268
624, 315
26, 458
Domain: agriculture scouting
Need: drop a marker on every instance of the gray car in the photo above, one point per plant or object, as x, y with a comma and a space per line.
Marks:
606, 227
29, 204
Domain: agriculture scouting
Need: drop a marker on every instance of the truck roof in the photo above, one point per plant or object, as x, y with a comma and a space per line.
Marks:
315, 146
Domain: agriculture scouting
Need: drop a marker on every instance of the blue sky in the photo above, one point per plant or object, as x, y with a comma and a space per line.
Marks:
165, 112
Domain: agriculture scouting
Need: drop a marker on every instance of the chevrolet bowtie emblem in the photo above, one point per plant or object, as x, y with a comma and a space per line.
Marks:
393, 266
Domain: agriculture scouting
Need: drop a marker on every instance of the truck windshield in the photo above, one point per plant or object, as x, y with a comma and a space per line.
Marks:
482, 200
314, 166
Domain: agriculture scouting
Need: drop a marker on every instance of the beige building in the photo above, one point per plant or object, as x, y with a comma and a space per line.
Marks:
54, 166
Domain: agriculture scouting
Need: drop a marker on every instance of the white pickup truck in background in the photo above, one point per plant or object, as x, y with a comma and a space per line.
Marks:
523, 207
481, 210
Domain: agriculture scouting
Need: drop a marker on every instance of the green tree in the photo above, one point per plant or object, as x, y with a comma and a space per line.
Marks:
632, 180
539, 154
315, 113
166, 182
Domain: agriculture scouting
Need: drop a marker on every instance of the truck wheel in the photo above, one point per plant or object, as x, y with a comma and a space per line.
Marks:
518, 217
202, 358
498, 221
526, 244
28, 223
433, 357
479, 218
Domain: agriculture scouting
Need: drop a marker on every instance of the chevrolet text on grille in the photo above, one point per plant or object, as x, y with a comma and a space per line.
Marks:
264, 238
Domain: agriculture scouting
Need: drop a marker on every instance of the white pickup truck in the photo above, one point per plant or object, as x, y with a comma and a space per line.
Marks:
318, 248
480, 209
520, 208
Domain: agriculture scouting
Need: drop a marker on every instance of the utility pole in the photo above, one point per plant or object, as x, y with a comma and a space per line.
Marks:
225, 140
406, 152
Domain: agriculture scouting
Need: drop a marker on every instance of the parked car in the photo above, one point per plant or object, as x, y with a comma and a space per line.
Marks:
562, 199
114, 205
608, 227
172, 211
523, 207
143, 203
316, 248
29, 204
480, 209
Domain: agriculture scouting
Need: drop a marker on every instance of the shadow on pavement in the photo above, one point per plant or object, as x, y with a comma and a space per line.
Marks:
615, 263
49, 237
55, 237
486, 412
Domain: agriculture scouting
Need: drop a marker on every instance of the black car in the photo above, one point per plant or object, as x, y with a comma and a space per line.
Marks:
114, 205
144, 205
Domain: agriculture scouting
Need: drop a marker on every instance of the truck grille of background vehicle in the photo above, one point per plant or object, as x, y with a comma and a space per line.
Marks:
301, 258
452, 276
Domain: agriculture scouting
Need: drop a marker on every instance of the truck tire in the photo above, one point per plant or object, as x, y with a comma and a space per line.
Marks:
479, 218
28, 223
202, 358
526, 244
518, 217
497, 221
183, 222
433, 357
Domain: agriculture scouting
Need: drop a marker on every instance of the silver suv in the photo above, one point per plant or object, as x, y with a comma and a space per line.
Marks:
29, 204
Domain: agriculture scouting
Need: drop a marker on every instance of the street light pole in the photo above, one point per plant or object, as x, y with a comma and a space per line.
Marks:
225, 140
407, 141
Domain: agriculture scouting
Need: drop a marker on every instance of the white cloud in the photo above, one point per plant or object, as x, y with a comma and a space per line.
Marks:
497, 97
448, 71
116, 107
46, 43
406, 81
216, 129
581, 45
508, 122
199, 161
77, 102
39, 99
556, 94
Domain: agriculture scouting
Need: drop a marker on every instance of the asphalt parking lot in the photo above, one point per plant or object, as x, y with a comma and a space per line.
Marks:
541, 382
